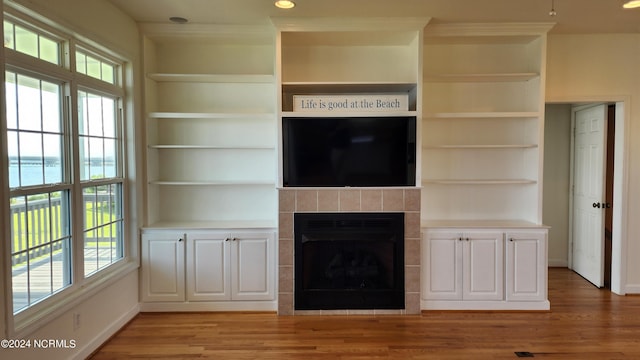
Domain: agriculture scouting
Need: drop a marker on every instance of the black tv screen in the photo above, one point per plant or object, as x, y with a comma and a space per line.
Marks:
349, 151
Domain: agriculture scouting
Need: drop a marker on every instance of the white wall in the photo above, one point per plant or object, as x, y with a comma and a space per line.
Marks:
596, 67
104, 312
555, 202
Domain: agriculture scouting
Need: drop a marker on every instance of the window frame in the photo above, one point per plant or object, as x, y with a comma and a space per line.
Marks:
81, 286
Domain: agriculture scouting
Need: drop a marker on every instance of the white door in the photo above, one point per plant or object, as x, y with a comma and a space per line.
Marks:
252, 277
442, 273
588, 193
162, 267
526, 266
208, 275
483, 266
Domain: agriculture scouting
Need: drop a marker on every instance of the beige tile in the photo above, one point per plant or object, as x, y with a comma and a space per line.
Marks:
412, 303
306, 200
371, 200
285, 252
412, 252
349, 200
285, 279
285, 225
412, 224
287, 200
393, 200
412, 199
412, 278
328, 200
285, 304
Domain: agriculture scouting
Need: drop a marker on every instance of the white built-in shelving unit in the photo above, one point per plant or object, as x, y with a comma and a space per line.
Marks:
484, 245
357, 56
483, 106
211, 126
211, 210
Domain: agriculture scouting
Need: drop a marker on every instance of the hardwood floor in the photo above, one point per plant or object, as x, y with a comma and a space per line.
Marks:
584, 323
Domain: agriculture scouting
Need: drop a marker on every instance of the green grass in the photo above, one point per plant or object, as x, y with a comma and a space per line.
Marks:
36, 221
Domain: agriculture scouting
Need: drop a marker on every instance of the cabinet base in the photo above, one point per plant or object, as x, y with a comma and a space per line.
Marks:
270, 306
430, 305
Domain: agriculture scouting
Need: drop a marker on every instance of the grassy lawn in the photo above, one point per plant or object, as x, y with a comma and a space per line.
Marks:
45, 224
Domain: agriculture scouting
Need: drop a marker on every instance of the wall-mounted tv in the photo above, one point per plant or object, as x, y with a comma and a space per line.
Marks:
349, 151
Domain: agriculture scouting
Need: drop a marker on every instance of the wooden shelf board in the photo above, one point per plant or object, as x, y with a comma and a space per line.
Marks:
214, 183
302, 87
471, 223
482, 115
213, 224
498, 77
489, 146
209, 115
213, 78
479, 181
348, 114
210, 147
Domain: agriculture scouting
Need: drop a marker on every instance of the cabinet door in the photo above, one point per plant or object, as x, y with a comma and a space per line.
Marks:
208, 275
526, 266
162, 267
483, 263
252, 275
442, 270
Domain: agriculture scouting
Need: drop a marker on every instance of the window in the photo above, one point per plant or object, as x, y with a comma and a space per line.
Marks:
66, 165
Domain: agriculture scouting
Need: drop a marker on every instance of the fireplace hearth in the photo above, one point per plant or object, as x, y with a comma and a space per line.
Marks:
349, 261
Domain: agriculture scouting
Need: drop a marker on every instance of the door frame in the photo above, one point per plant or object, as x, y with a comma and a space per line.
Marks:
620, 186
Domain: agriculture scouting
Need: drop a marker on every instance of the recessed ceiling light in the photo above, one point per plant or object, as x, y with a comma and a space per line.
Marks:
631, 4
178, 20
285, 4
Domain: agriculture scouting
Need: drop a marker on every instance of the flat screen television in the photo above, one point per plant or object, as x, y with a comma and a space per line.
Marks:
349, 151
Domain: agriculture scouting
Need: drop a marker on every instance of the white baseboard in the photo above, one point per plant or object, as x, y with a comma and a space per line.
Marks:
558, 263
106, 334
632, 289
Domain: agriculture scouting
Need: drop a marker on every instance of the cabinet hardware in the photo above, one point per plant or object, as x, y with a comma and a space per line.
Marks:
234, 239
227, 239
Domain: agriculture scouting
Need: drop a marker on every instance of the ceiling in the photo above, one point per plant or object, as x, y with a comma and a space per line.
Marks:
573, 16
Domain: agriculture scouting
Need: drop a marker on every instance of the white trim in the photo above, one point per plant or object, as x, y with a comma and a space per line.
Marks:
85, 351
271, 305
33, 320
621, 185
485, 305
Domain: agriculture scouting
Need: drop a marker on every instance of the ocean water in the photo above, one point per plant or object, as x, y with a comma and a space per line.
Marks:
37, 174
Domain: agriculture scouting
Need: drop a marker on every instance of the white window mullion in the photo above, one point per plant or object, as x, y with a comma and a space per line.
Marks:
76, 192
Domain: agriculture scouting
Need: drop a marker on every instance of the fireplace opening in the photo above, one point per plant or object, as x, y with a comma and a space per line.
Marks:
349, 261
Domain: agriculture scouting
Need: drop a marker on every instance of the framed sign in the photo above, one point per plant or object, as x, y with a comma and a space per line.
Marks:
351, 103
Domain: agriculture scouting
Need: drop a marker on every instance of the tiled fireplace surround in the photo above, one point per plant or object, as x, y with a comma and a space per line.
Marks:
292, 200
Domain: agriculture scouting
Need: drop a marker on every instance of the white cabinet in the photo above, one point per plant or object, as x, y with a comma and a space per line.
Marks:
526, 265
230, 266
162, 268
208, 267
463, 265
484, 268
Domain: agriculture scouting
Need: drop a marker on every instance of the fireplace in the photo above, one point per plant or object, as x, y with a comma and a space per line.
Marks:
349, 261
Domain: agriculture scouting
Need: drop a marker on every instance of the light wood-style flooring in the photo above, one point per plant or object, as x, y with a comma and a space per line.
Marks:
584, 323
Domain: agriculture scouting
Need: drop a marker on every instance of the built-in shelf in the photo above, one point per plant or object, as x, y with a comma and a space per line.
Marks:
479, 181
210, 147
210, 115
214, 183
514, 146
206, 225
480, 224
213, 78
483, 115
498, 77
